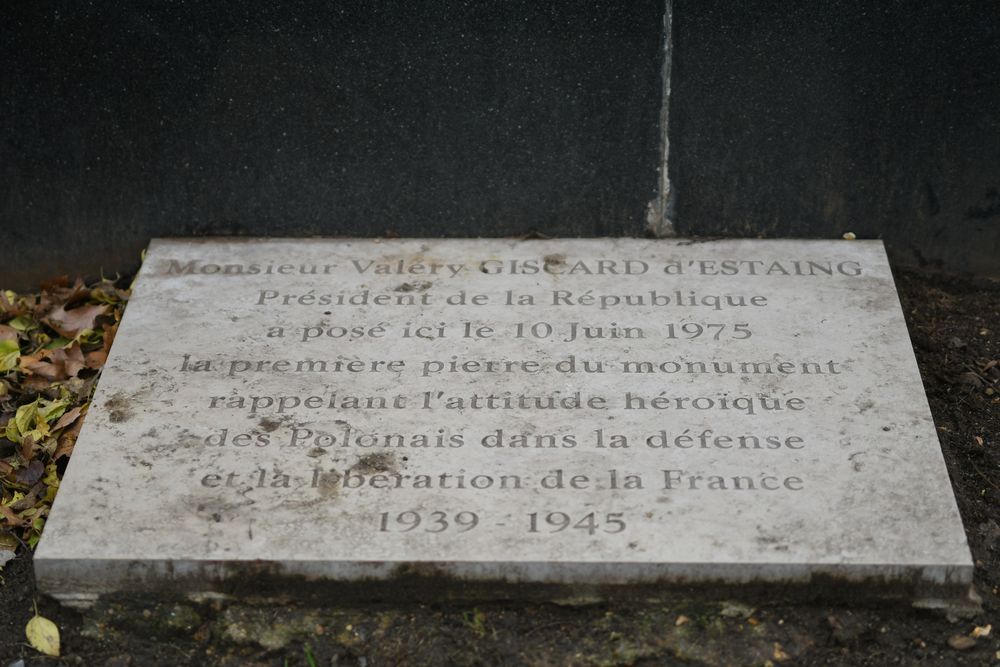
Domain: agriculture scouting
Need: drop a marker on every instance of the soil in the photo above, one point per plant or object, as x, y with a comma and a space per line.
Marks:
955, 328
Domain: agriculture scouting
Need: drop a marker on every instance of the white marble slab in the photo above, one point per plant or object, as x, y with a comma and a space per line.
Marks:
579, 412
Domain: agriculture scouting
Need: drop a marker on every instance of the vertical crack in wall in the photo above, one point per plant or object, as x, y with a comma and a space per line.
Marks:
659, 212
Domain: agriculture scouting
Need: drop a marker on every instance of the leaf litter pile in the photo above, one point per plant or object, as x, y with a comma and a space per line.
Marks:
52, 347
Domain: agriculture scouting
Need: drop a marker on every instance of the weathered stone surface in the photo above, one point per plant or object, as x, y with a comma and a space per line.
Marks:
584, 413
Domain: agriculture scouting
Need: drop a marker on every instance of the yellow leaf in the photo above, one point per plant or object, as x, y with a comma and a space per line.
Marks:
51, 478
24, 418
22, 323
43, 635
14, 498
36, 436
49, 411
10, 352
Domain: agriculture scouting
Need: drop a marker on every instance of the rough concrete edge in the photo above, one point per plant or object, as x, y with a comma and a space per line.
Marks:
659, 211
930, 586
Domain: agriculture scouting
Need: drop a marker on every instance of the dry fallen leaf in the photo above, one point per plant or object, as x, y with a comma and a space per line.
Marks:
96, 359
70, 294
69, 323
55, 365
47, 341
43, 635
67, 441
72, 359
30, 474
8, 515
982, 631
681, 620
68, 418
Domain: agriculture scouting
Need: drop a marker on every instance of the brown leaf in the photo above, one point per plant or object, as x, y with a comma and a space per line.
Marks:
30, 498
67, 440
69, 323
36, 366
95, 359
27, 445
64, 293
68, 418
11, 518
7, 333
35, 384
73, 359
31, 473
55, 365
110, 330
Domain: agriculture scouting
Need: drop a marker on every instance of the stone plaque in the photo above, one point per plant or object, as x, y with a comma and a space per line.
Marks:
583, 414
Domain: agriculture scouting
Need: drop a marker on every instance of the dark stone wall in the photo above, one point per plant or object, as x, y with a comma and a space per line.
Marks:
125, 121
814, 119
121, 122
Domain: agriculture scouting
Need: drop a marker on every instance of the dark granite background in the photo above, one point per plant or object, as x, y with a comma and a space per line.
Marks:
447, 118
441, 118
814, 119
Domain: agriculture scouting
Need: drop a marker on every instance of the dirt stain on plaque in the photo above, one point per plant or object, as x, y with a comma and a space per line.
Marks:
269, 425
119, 408
415, 286
552, 261
375, 463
